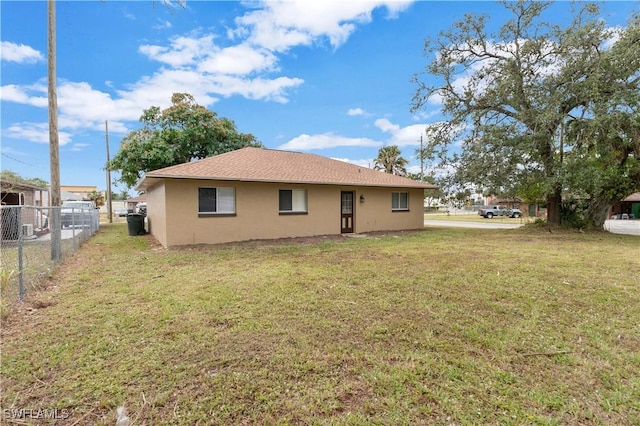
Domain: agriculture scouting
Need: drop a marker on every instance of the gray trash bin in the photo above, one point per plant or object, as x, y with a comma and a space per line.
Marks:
135, 223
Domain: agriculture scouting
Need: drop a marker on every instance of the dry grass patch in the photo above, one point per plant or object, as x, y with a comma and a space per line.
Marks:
440, 326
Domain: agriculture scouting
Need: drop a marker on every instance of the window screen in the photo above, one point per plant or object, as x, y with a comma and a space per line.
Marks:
216, 200
293, 200
400, 201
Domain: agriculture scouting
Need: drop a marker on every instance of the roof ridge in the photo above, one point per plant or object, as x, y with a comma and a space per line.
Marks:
259, 164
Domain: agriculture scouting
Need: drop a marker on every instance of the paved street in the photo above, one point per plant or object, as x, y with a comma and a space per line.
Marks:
629, 227
486, 225
65, 234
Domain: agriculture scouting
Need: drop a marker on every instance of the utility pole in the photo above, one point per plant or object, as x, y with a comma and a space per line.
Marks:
421, 161
108, 192
54, 150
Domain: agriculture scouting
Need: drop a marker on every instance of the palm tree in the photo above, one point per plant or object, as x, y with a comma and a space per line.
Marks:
96, 197
390, 160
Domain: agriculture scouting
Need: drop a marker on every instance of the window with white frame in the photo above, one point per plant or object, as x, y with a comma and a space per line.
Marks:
293, 201
213, 201
399, 201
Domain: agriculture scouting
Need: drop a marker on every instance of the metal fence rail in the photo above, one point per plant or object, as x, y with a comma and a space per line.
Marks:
28, 252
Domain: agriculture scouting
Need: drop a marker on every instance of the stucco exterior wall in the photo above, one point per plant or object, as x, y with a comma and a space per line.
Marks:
257, 215
375, 213
156, 213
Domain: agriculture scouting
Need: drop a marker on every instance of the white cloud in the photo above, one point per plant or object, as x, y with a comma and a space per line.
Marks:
196, 63
79, 146
415, 169
386, 126
9, 150
182, 51
35, 132
282, 24
81, 100
239, 60
394, 7
356, 111
257, 88
368, 163
614, 37
117, 127
79, 107
34, 95
202, 54
20, 53
306, 142
409, 135
162, 25
426, 115
203, 69
157, 89
401, 136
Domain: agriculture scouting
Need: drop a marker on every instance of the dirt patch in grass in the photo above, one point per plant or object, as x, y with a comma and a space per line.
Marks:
296, 241
430, 327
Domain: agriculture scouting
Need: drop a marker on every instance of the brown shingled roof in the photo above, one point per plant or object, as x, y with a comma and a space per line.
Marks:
268, 165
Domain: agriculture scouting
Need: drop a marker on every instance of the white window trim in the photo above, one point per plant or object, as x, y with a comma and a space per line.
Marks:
399, 208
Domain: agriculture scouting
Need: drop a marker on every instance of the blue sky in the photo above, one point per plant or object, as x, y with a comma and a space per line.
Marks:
327, 77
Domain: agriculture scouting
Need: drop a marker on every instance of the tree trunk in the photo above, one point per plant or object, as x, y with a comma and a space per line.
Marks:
553, 209
597, 212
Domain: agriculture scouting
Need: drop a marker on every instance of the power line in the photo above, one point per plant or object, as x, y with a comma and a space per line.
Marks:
20, 161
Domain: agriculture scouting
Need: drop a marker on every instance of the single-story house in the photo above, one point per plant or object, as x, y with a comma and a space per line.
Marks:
71, 196
22, 193
629, 206
257, 193
527, 209
78, 192
14, 194
132, 203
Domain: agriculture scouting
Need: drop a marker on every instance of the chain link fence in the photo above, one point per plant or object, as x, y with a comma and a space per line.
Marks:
32, 244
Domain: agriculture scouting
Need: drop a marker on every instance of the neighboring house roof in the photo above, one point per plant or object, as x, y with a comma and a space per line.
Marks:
140, 198
269, 165
494, 200
78, 188
635, 197
11, 185
70, 196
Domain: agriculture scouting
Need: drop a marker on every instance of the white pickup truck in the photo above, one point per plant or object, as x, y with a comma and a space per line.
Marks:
78, 213
490, 211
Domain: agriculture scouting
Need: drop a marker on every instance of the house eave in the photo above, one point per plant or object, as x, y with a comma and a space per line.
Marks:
10, 185
149, 181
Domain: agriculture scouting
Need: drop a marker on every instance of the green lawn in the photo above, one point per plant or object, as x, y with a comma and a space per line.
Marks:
441, 326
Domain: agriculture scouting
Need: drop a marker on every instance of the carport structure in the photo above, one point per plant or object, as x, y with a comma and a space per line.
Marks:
629, 206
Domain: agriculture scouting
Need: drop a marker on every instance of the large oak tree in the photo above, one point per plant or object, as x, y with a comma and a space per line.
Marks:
542, 110
183, 132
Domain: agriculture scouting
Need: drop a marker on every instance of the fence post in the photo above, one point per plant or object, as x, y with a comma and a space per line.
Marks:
20, 256
73, 227
55, 223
